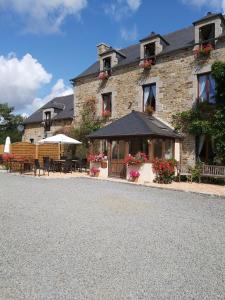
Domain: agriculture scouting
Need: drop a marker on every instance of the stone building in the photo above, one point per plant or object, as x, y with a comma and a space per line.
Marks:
164, 73
53, 116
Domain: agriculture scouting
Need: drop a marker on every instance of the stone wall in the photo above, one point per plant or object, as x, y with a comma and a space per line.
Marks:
175, 76
36, 130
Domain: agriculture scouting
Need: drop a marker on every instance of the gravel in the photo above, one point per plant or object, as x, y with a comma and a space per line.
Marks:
86, 239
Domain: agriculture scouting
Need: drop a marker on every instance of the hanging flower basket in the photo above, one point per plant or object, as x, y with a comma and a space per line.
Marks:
103, 75
146, 64
203, 51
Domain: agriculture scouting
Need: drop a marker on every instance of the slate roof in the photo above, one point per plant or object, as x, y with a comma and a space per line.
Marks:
64, 104
135, 124
179, 39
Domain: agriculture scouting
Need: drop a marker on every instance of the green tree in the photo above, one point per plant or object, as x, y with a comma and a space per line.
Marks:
9, 123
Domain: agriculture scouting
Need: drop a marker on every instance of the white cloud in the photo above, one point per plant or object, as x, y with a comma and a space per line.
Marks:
59, 89
129, 34
43, 16
119, 9
214, 4
20, 79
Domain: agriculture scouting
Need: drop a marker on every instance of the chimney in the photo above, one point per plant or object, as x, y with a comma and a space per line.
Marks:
101, 48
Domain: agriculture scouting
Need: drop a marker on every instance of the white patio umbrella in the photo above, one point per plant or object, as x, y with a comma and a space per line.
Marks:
7, 145
59, 139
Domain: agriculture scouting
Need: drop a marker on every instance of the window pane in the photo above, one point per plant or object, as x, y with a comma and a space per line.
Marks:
212, 90
157, 148
149, 95
169, 149
114, 150
202, 85
107, 103
121, 153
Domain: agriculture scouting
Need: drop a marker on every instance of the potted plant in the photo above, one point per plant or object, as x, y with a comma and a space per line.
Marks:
94, 172
134, 175
146, 63
203, 50
103, 75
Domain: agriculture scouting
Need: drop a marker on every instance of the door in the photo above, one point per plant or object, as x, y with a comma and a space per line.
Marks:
116, 159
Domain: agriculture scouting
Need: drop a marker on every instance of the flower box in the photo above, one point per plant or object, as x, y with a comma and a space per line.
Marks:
138, 159
106, 114
103, 75
203, 51
146, 63
95, 157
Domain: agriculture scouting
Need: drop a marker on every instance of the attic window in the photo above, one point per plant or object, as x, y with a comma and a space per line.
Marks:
207, 34
149, 50
107, 64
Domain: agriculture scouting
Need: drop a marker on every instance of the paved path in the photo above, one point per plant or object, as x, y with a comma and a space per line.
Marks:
86, 239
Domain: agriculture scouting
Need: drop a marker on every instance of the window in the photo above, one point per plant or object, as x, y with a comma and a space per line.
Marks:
162, 148
158, 149
107, 105
207, 34
205, 149
206, 88
149, 96
48, 121
32, 141
138, 144
149, 50
107, 64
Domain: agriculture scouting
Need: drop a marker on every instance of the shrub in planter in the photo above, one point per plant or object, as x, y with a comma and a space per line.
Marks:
94, 172
164, 170
134, 175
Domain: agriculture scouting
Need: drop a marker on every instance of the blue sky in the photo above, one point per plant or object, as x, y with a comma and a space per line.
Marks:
44, 45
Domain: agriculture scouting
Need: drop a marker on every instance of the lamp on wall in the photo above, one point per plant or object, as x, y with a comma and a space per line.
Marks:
149, 141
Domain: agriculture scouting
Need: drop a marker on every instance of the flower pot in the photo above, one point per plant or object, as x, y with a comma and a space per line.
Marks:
103, 164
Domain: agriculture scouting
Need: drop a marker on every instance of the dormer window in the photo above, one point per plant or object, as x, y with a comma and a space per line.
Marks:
207, 34
149, 50
47, 121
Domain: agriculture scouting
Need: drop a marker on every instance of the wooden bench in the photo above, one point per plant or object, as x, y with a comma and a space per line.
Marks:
212, 171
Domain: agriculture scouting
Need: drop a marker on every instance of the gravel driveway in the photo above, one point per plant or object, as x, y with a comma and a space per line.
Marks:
86, 239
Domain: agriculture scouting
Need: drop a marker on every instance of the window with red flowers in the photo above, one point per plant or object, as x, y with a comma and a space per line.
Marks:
207, 34
107, 105
149, 50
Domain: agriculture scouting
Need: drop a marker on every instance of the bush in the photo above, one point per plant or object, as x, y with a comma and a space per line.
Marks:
164, 170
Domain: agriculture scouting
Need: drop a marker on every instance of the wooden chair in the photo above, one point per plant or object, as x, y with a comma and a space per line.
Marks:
184, 171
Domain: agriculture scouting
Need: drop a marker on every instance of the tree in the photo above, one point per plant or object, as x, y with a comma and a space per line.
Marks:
9, 123
89, 123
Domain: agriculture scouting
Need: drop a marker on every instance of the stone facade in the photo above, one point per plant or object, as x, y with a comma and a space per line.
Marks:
176, 81
36, 132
